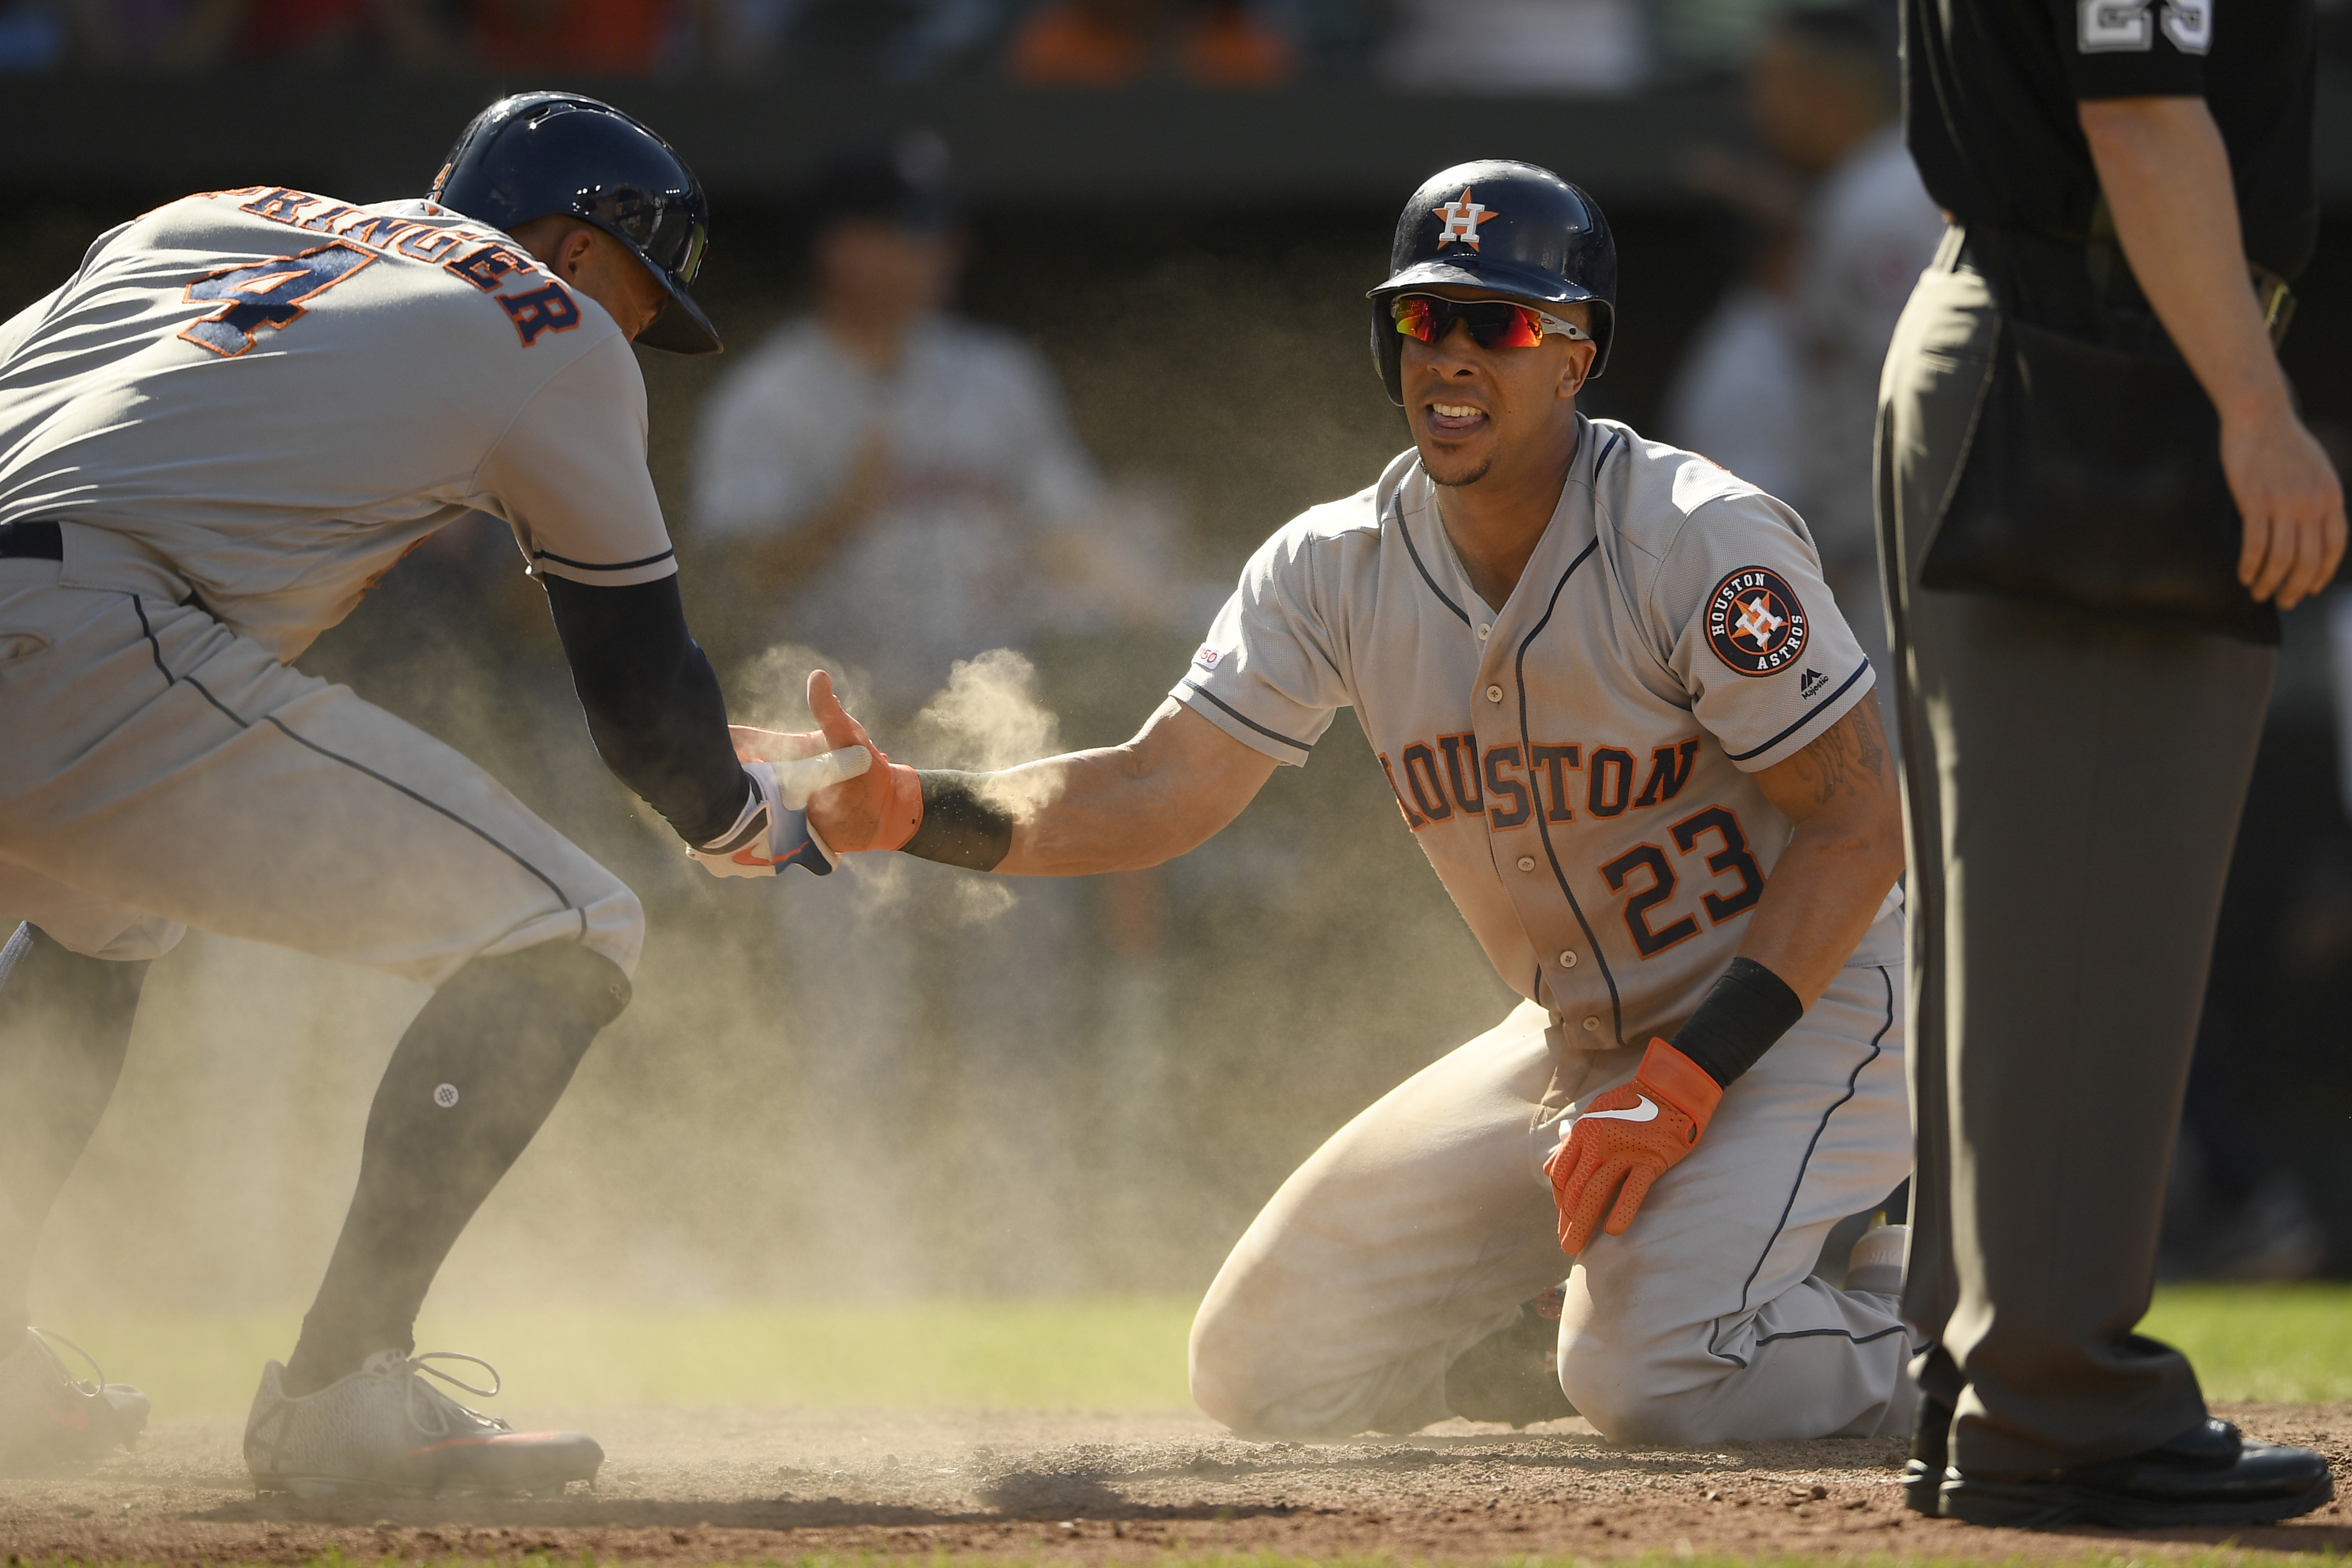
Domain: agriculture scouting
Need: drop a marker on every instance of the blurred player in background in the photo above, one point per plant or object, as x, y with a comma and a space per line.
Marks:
899, 488
881, 462
1823, 94
240, 412
1737, 396
1624, 723
1859, 230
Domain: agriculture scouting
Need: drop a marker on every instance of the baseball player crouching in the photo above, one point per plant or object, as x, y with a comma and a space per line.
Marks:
1621, 714
239, 410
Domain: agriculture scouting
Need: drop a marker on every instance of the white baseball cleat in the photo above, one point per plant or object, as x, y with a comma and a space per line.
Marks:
49, 1418
1876, 1268
386, 1429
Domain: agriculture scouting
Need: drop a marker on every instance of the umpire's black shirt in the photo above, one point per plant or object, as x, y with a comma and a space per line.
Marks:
1990, 89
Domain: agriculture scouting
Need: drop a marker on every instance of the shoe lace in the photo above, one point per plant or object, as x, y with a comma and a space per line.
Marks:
434, 1413
44, 1337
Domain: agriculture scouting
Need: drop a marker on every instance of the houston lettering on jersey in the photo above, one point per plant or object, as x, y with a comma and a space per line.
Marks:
1449, 781
534, 303
1448, 775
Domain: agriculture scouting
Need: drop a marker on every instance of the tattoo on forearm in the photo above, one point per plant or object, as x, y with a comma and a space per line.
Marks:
1851, 749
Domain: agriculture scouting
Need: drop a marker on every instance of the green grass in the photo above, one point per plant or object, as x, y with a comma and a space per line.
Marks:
2262, 1342
1094, 1353
2268, 1342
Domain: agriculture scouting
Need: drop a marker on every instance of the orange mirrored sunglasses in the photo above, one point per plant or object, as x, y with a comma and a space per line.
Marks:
1493, 324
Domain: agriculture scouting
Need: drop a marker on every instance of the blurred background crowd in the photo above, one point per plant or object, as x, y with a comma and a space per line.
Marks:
994, 458
1496, 47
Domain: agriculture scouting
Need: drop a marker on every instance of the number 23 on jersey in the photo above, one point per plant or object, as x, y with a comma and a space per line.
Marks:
1644, 873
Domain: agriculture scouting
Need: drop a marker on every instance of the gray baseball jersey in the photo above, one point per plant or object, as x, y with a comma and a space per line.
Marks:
1577, 762
267, 397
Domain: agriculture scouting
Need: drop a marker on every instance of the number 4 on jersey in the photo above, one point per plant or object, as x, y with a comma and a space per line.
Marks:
272, 293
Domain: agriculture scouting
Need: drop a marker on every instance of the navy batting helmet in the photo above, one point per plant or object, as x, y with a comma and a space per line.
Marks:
540, 152
1511, 227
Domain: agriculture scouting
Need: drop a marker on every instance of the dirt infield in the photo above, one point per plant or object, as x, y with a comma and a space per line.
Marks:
686, 1486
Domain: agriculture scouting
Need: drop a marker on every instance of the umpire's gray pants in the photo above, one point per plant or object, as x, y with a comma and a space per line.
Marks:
2073, 789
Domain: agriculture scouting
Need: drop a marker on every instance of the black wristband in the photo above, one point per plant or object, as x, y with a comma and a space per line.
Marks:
1748, 1009
959, 828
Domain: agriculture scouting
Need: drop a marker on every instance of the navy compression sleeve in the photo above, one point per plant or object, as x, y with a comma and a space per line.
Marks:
652, 702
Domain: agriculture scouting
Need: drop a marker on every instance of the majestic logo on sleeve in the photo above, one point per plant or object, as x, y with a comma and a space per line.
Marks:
1458, 220
1754, 622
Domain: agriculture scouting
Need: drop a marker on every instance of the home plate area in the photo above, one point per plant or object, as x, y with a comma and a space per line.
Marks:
712, 1486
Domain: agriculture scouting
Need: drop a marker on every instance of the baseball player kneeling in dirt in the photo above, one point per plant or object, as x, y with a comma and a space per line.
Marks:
243, 408
1623, 716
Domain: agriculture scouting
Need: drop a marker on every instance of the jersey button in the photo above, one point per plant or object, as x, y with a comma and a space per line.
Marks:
1494, 694
1526, 862
1567, 958
1482, 632
1591, 1025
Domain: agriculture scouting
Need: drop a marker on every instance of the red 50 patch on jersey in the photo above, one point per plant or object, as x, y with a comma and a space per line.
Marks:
1754, 622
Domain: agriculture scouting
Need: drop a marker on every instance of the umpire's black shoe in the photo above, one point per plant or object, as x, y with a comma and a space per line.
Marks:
2207, 1476
1931, 1438
1931, 1431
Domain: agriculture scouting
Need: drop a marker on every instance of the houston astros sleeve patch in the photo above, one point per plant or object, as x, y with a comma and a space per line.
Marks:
1754, 622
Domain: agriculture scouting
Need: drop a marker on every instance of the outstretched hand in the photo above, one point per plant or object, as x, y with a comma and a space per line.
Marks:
879, 809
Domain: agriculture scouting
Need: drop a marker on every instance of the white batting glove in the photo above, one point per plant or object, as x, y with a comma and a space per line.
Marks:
773, 830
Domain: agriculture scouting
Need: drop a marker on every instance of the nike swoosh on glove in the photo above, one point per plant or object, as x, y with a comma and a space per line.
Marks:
1634, 1133
773, 830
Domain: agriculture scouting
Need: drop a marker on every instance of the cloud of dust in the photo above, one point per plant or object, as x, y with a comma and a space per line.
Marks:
770, 691
892, 1083
989, 719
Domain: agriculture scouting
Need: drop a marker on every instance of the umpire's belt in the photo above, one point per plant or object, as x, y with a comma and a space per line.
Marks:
37, 541
2076, 286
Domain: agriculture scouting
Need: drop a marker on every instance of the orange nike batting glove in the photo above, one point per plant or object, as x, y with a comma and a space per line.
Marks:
1634, 1134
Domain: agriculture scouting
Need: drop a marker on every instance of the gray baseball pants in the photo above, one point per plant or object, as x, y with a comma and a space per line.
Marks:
161, 771
1419, 1227
2073, 788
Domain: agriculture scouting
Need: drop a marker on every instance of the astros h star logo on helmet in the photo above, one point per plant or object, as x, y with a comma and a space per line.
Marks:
1459, 220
